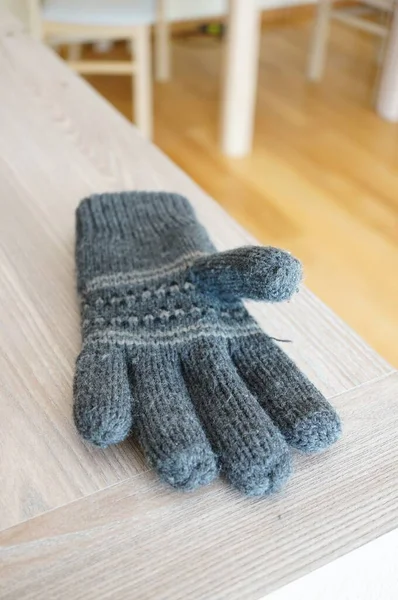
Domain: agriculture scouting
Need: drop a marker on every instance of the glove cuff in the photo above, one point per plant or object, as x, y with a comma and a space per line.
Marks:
126, 213
134, 232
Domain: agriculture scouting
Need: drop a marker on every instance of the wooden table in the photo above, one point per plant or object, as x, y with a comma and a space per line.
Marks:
79, 522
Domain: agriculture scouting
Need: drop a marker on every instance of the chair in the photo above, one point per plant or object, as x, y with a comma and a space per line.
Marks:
93, 20
352, 16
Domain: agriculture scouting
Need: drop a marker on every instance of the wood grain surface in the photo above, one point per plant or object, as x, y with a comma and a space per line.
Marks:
142, 540
104, 527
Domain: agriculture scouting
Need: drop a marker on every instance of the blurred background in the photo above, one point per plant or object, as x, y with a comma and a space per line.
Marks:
321, 175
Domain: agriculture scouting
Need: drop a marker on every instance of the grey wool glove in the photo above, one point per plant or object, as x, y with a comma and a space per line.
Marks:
170, 352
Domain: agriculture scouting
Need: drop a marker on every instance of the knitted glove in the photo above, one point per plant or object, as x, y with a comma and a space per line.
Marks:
170, 351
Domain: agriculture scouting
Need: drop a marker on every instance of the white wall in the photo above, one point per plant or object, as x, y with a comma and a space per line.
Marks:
178, 9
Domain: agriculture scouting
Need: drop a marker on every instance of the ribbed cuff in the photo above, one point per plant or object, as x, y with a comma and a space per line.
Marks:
123, 212
135, 231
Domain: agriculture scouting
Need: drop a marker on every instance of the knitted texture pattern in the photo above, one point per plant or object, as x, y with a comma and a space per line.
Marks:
170, 351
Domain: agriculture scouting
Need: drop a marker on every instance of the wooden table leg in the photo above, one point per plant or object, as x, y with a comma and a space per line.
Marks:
162, 42
142, 84
387, 101
240, 77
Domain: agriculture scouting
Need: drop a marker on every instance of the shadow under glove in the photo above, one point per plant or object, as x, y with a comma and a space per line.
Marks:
170, 351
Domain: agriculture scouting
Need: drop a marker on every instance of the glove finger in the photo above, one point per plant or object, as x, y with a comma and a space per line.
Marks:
103, 405
305, 418
169, 429
252, 452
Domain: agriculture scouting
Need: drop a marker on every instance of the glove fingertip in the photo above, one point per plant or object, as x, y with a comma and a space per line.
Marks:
189, 469
102, 399
262, 478
316, 432
282, 274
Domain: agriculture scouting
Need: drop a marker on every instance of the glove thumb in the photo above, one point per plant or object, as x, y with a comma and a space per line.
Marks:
253, 272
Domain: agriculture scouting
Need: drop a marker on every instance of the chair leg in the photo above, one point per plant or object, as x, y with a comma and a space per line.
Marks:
387, 98
35, 21
319, 41
74, 51
142, 86
162, 43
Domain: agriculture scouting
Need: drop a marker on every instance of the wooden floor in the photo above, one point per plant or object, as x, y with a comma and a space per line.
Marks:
323, 177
